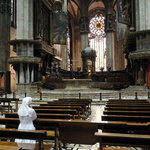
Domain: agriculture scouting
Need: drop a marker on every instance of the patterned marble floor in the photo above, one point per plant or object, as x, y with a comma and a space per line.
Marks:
81, 147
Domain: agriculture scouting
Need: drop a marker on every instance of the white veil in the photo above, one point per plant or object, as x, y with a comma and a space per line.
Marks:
23, 110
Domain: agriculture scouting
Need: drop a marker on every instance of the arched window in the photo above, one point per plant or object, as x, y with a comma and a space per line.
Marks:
97, 40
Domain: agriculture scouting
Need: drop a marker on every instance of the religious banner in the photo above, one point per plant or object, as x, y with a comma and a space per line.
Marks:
60, 23
124, 11
122, 30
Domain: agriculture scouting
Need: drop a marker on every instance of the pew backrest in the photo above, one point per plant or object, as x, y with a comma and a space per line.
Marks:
39, 135
121, 139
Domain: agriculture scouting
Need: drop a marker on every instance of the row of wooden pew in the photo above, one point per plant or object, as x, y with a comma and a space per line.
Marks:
86, 132
81, 131
60, 110
6, 104
127, 110
132, 112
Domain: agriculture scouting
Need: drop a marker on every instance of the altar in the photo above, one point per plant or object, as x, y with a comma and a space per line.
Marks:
77, 83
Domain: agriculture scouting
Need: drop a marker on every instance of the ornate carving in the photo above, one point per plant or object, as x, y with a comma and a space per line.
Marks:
23, 59
110, 22
144, 54
138, 34
84, 25
5, 7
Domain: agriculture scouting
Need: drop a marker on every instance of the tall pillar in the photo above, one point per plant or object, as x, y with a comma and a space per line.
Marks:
5, 13
142, 36
64, 47
24, 42
109, 27
142, 24
110, 50
60, 7
76, 48
5, 20
25, 19
84, 30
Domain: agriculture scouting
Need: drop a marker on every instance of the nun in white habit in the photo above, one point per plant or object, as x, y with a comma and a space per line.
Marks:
26, 116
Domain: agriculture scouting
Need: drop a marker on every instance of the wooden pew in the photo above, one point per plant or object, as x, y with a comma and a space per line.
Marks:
73, 112
8, 101
16, 100
121, 139
5, 106
80, 111
39, 135
76, 100
83, 106
112, 101
41, 115
77, 132
51, 127
86, 105
64, 104
128, 100
125, 127
127, 105
126, 118
60, 125
128, 108
4, 145
126, 112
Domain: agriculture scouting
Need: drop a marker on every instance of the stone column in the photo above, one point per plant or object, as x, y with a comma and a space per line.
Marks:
142, 36
24, 42
24, 33
5, 14
109, 27
64, 6
5, 19
142, 24
76, 48
25, 19
64, 47
110, 50
84, 30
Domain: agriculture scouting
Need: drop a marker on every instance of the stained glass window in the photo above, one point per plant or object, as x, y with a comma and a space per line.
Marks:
97, 27
97, 40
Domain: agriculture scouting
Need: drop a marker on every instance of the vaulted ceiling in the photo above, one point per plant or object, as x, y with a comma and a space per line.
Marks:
77, 8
